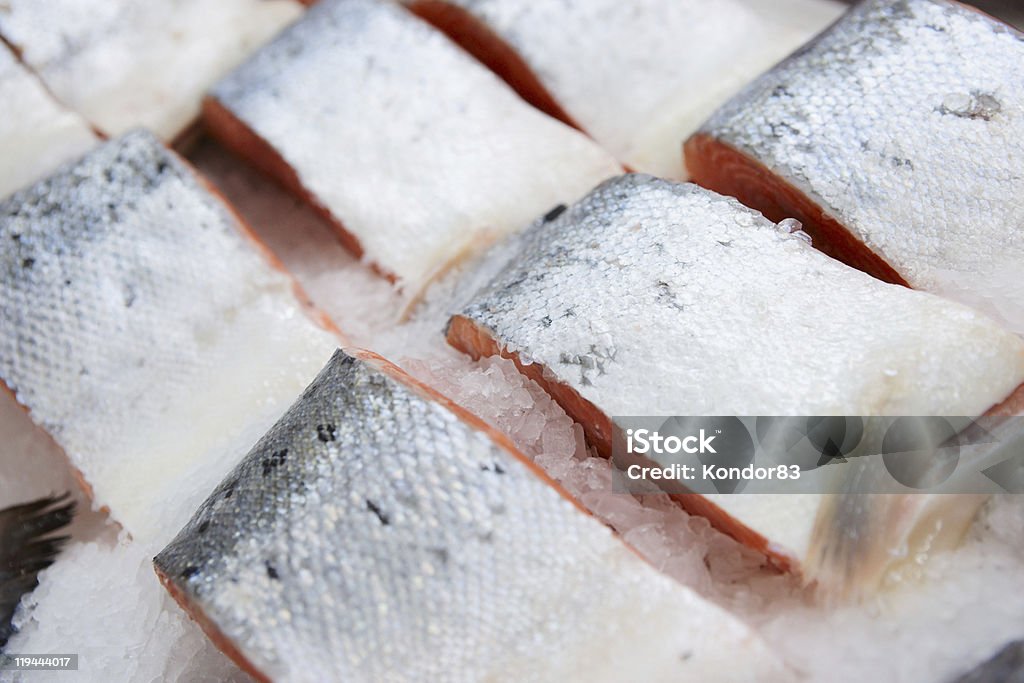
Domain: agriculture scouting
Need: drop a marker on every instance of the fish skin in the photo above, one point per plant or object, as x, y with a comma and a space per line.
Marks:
378, 532
429, 154
129, 290
36, 132
128, 63
1005, 666
638, 76
903, 124
660, 325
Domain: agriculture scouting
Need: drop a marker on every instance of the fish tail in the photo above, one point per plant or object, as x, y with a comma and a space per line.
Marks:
27, 548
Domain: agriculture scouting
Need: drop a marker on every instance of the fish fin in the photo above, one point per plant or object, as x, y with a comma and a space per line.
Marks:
1006, 666
27, 548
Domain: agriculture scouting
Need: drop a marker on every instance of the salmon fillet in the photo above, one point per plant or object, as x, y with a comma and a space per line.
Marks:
127, 63
897, 139
413, 151
144, 328
36, 133
656, 298
410, 541
638, 76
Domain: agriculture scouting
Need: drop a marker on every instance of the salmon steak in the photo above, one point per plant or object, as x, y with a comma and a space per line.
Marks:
415, 152
129, 290
704, 307
638, 76
127, 63
36, 132
897, 139
379, 532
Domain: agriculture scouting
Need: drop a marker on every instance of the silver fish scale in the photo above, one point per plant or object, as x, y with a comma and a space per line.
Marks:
429, 153
374, 535
67, 255
646, 295
129, 290
905, 122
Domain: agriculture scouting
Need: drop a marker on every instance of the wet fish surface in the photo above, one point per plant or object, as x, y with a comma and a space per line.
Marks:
378, 532
638, 76
36, 133
414, 151
143, 327
128, 63
656, 298
897, 138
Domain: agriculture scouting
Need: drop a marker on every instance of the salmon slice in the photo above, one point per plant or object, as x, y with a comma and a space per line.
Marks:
412, 150
704, 307
410, 541
638, 76
897, 139
144, 328
128, 63
36, 133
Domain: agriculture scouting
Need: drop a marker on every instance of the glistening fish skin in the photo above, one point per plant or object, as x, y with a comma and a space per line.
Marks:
143, 327
375, 534
649, 297
430, 156
639, 76
125, 63
903, 127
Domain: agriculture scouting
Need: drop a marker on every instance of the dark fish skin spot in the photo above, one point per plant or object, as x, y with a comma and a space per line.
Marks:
441, 554
272, 572
28, 263
554, 213
15, 236
326, 432
203, 527
274, 461
189, 572
546, 321
496, 468
375, 509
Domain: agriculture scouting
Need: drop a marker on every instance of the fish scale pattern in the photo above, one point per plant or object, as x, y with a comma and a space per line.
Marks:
676, 317
96, 259
374, 534
903, 122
